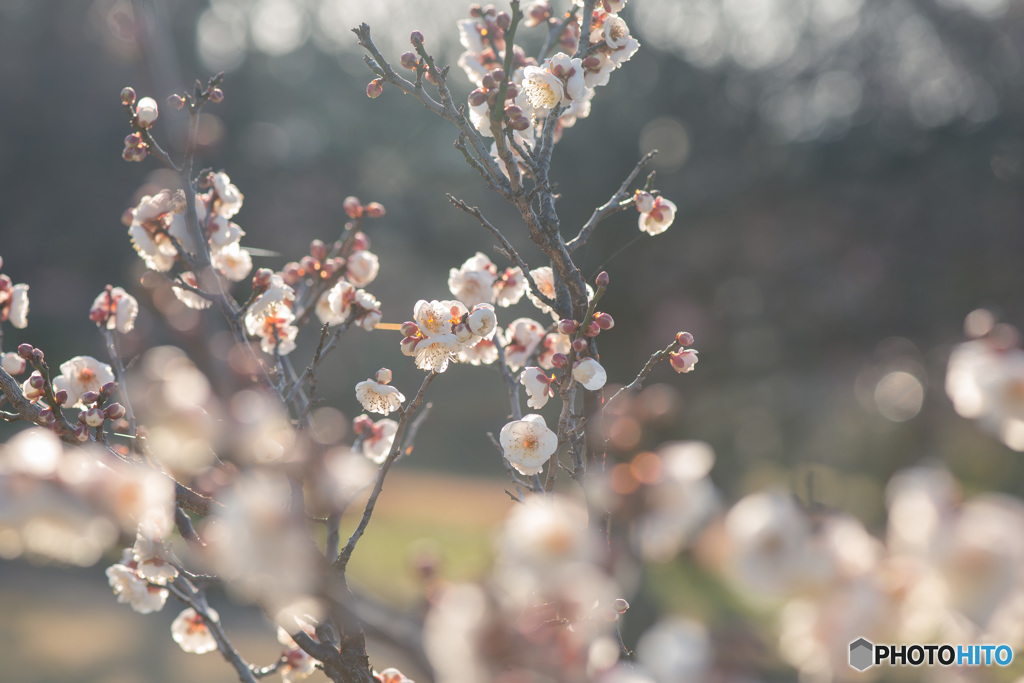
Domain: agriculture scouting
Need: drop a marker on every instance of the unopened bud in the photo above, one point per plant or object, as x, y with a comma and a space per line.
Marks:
261, 280
61, 397
410, 329
146, 112
308, 264
511, 91
375, 210
332, 265
176, 101
684, 339
108, 389
513, 111
292, 273
36, 381
5, 283
46, 415
592, 63
416, 38
475, 10
82, 432
560, 361
352, 207
498, 75
94, 417
362, 425
592, 329
519, 123
383, 376
318, 250
602, 279
489, 82
644, 201
432, 76
604, 321
374, 88
25, 351
114, 411
37, 355
133, 141
409, 60
128, 96
580, 345
216, 95
408, 345
360, 241
90, 397
503, 21
477, 97
566, 326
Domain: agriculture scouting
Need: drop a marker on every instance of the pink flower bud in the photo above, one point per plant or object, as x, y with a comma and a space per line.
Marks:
513, 111
503, 21
332, 265
352, 207
475, 10
375, 210
216, 95
511, 91
580, 345
489, 82
592, 329
318, 250
36, 381
410, 329
360, 242
592, 63
560, 361
684, 339
498, 75
5, 283
477, 97
566, 326
82, 433
383, 376
132, 141
602, 279
146, 111
25, 351
362, 425
308, 264
683, 360
408, 345
292, 273
176, 101
61, 397
409, 60
37, 355
46, 415
604, 321
520, 123
108, 389
128, 96
374, 88
114, 411
261, 279
432, 76
416, 38
644, 201
94, 417
90, 397
462, 332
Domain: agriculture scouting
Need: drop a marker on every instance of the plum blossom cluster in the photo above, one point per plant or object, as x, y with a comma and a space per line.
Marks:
13, 302
443, 330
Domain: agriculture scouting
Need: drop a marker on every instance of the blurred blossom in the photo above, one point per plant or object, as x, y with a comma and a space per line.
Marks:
899, 396
261, 430
986, 382
278, 26
189, 630
675, 649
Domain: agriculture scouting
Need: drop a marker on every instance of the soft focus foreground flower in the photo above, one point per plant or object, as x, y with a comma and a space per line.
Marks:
270, 318
188, 297
148, 554
189, 630
986, 383
227, 200
12, 363
115, 309
377, 444
589, 373
377, 397
134, 590
297, 665
528, 443
361, 268
660, 216
147, 111
233, 261
82, 374
16, 307
483, 352
392, 675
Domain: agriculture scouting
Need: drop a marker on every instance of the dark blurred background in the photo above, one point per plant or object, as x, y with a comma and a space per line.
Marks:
848, 175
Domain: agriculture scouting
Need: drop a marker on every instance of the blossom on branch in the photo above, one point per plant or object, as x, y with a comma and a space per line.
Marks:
114, 309
377, 397
189, 630
528, 443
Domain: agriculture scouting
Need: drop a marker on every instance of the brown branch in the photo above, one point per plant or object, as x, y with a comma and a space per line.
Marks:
637, 383
613, 205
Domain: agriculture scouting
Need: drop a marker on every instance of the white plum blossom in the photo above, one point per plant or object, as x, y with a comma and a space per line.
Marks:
370, 313
148, 231
528, 443
335, 305
362, 267
148, 555
136, 592
659, 216
483, 352
17, 314
538, 386
233, 261
115, 309
190, 632
589, 373
187, 296
554, 342
12, 363
437, 317
227, 200
221, 232
377, 444
147, 111
986, 383
473, 282
558, 81
509, 287
377, 397
434, 353
392, 675
482, 321
520, 340
82, 374
270, 318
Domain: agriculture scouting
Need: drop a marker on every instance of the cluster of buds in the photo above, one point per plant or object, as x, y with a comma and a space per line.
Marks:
96, 409
415, 62
481, 36
488, 92
683, 359
13, 301
317, 265
356, 209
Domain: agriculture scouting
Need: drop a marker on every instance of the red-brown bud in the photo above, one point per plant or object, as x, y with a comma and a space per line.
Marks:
128, 96
25, 351
176, 101
61, 397
90, 397
519, 123
108, 389
580, 345
82, 432
602, 279
114, 411
489, 82
684, 339
498, 75
375, 210
567, 326
513, 111
409, 60
352, 207
46, 415
416, 38
503, 21
362, 425
37, 355
360, 242
408, 345
261, 279
477, 97
592, 329
318, 250
216, 95
560, 361
410, 329
292, 273
604, 321
374, 88
511, 91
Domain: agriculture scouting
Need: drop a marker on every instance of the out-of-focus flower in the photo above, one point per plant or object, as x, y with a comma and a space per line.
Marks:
528, 443
148, 554
675, 649
473, 282
227, 200
520, 340
115, 309
82, 374
661, 214
589, 373
362, 267
538, 386
297, 665
190, 632
369, 310
377, 444
233, 261
377, 397
509, 287
986, 383
270, 318
146, 111
17, 306
392, 675
138, 593
188, 297
12, 363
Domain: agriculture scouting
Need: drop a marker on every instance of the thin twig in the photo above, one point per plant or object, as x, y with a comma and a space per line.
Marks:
613, 205
637, 383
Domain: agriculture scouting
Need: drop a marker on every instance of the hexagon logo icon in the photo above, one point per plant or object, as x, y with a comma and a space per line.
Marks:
861, 654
